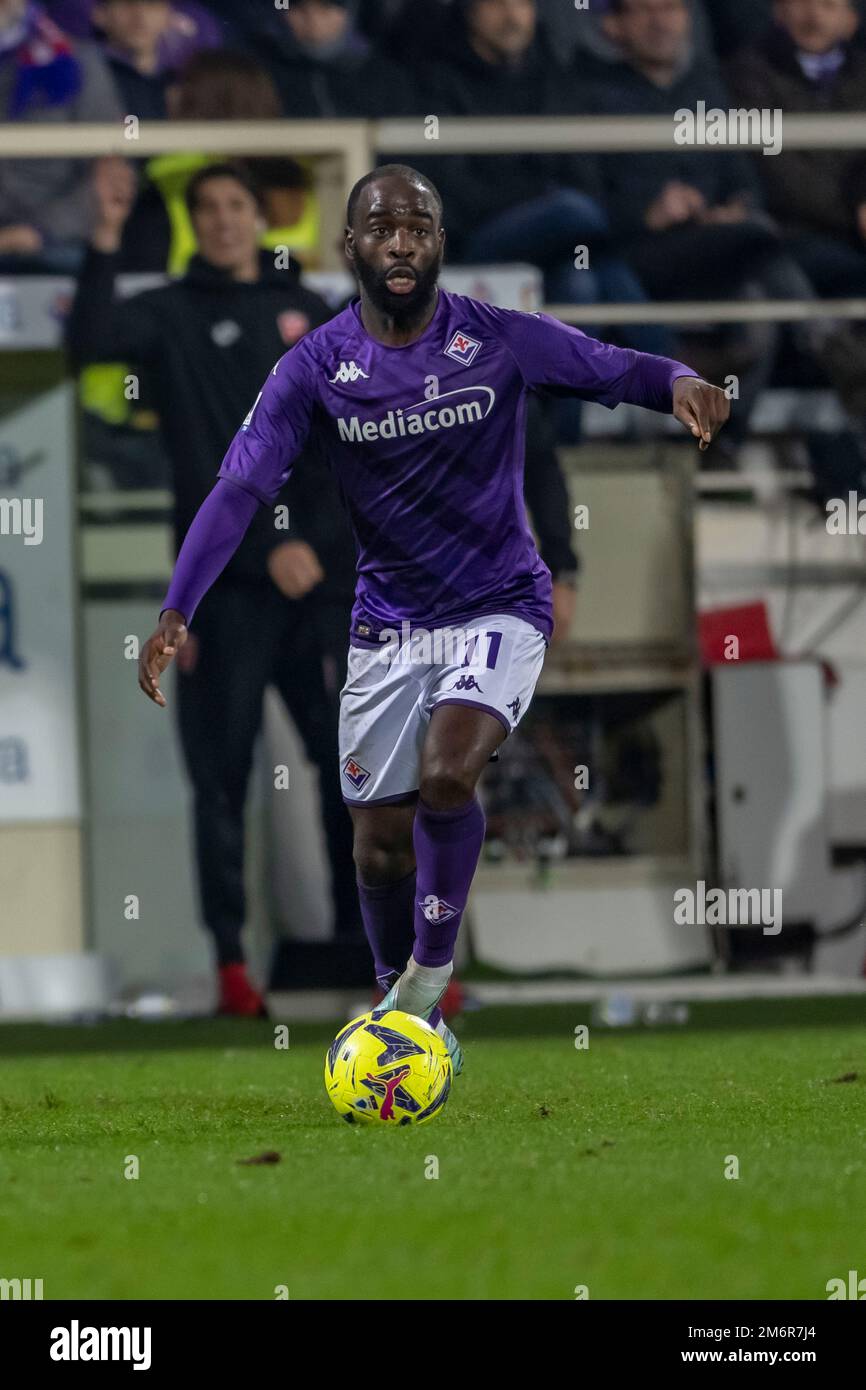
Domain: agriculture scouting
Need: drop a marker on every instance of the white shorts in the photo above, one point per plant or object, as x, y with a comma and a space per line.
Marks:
492, 664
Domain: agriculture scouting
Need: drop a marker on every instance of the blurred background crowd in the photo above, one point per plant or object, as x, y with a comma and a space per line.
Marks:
657, 226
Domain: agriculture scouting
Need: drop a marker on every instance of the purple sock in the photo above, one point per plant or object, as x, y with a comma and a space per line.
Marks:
387, 911
447, 849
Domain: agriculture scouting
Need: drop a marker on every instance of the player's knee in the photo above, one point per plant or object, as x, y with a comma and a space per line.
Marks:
382, 861
446, 785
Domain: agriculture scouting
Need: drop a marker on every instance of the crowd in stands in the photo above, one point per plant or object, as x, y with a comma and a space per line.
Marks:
675, 225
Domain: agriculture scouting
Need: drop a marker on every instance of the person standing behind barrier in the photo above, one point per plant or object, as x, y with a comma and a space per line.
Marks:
205, 342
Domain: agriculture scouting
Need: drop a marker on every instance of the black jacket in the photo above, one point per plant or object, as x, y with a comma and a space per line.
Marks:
809, 191
634, 180
358, 82
480, 186
207, 343
139, 92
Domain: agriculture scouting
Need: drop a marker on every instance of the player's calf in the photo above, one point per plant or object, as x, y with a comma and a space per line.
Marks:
382, 847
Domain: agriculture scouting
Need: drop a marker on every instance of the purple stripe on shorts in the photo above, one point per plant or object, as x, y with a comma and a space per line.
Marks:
476, 704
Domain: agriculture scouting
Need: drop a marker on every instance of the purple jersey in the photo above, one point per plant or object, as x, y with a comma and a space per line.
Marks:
427, 444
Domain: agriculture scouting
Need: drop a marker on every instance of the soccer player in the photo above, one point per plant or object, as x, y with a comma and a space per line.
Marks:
418, 399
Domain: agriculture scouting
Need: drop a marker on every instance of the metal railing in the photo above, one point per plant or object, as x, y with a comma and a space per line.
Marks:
409, 135
347, 149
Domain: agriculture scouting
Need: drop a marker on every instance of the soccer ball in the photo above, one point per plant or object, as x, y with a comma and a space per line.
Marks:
387, 1067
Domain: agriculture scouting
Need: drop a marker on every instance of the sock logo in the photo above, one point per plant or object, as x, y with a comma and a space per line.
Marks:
436, 910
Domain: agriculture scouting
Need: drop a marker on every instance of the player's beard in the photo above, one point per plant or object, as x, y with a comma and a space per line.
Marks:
401, 308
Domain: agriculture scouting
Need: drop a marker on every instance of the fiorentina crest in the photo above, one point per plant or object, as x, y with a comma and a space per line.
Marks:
462, 348
355, 773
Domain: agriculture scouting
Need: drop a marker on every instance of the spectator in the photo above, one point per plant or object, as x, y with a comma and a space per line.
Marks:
410, 33
578, 33
205, 343
224, 85
653, 194
807, 63
159, 234
324, 66
525, 207
736, 23
291, 208
192, 27
133, 31
45, 77
693, 221
218, 84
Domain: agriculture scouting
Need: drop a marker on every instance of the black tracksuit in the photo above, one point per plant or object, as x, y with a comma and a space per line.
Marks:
206, 343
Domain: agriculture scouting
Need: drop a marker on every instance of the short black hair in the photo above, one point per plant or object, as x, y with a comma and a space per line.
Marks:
385, 171
239, 172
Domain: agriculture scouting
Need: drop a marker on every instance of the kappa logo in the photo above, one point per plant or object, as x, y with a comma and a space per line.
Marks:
355, 773
348, 371
249, 418
468, 683
462, 348
436, 910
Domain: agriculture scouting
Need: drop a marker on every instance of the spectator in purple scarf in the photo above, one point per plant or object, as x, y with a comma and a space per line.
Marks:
192, 28
45, 77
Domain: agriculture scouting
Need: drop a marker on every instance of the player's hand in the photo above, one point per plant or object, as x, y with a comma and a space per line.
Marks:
158, 651
294, 567
702, 408
114, 189
564, 600
20, 239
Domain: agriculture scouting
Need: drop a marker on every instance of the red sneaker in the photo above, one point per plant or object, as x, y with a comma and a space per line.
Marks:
238, 996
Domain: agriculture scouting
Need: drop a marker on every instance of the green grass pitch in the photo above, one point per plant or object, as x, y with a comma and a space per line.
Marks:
558, 1167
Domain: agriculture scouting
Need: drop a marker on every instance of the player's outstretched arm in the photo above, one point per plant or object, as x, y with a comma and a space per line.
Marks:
554, 356
217, 530
701, 407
